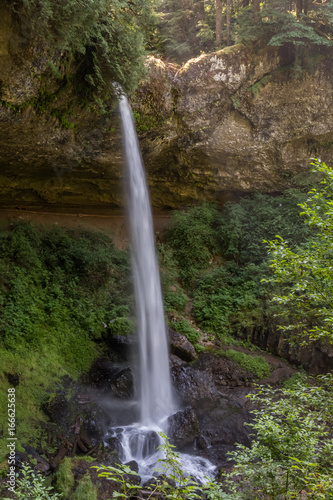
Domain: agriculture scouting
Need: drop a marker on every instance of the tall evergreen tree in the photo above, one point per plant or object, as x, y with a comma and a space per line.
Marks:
218, 22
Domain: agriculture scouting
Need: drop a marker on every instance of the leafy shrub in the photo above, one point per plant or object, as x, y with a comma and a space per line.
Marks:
259, 217
121, 476
32, 486
292, 450
296, 379
227, 295
175, 298
303, 276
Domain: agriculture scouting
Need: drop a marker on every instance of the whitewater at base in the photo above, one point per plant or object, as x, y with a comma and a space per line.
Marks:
140, 443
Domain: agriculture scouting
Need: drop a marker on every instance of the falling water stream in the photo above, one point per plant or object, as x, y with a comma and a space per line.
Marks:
140, 440
155, 384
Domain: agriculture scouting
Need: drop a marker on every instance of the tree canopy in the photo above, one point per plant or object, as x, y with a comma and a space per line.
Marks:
193, 26
106, 39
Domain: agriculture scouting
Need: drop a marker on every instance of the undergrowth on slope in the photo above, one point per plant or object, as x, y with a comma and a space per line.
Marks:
218, 259
59, 289
184, 326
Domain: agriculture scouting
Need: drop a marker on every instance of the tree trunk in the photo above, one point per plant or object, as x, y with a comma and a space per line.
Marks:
299, 7
228, 21
306, 5
218, 22
200, 9
256, 10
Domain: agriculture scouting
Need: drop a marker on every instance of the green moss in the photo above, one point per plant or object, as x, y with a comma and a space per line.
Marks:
88, 459
253, 364
235, 101
144, 123
255, 88
85, 490
65, 478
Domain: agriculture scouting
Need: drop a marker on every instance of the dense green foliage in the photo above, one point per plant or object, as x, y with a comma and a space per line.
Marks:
104, 39
292, 450
221, 258
59, 290
57, 285
305, 274
193, 239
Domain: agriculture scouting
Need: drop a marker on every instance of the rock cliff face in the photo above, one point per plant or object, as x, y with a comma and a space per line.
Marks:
225, 124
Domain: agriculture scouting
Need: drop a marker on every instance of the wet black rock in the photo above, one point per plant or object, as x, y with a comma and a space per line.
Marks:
123, 344
181, 347
201, 442
114, 446
56, 408
133, 478
123, 387
183, 427
42, 465
103, 373
194, 387
97, 421
216, 389
133, 465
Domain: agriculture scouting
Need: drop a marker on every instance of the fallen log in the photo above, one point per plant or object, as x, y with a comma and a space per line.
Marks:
69, 448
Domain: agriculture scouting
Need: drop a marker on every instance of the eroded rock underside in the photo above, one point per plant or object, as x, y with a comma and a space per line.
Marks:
227, 123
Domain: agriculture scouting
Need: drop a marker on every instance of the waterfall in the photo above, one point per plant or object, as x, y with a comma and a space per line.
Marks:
155, 385
139, 441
